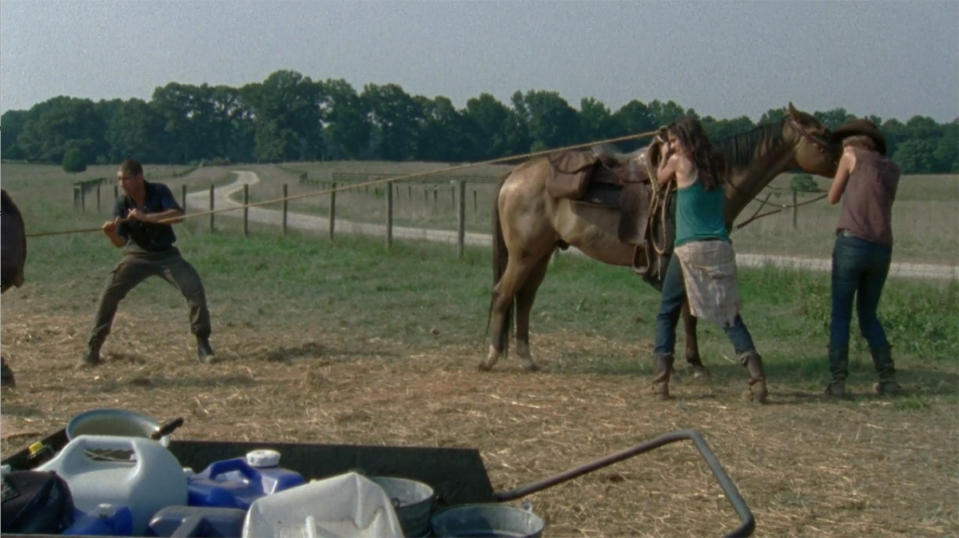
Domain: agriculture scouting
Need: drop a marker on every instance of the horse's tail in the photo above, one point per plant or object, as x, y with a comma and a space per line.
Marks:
500, 258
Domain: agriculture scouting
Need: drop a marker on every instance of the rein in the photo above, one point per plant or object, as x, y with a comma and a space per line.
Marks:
821, 144
758, 215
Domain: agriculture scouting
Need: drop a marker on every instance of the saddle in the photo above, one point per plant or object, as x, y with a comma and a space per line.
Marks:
620, 181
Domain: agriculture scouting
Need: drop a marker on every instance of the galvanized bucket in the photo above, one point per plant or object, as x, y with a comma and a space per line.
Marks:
487, 520
413, 502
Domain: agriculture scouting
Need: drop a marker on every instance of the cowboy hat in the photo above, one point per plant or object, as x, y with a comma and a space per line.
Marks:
860, 127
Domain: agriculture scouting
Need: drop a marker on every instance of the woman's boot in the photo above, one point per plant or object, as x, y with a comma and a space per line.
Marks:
839, 369
757, 377
882, 359
662, 370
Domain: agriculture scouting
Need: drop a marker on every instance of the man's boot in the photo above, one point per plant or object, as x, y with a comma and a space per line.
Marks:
757, 377
839, 369
92, 356
882, 359
6, 375
203, 350
662, 369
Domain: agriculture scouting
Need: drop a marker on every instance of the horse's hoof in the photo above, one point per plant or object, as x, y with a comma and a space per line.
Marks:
483, 367
699, 371
531, 366
760, 395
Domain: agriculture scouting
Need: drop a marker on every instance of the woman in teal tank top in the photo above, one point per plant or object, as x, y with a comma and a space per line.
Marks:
689, 159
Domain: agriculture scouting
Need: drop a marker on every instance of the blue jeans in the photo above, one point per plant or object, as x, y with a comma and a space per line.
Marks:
674, 293
859, 269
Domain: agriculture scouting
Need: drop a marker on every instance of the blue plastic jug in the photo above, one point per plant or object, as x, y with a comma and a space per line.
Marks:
237, 482
104, 520
205, 521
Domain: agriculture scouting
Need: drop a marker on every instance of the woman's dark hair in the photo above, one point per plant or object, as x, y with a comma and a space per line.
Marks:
710, 163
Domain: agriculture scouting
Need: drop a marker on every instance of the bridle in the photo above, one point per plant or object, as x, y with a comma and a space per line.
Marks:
819, 142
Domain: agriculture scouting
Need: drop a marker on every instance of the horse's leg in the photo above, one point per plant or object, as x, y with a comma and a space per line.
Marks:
524, 304
503, 292
692, 343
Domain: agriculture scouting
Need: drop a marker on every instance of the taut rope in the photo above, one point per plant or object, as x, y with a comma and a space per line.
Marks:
392, 179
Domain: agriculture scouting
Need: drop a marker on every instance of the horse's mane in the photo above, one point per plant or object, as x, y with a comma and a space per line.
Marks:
740, 149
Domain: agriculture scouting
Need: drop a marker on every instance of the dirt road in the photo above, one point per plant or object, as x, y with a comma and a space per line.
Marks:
223, 200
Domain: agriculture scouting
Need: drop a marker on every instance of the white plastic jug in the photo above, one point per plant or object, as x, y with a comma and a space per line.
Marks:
123, 471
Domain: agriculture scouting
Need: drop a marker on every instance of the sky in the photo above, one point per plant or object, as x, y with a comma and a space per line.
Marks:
726, 59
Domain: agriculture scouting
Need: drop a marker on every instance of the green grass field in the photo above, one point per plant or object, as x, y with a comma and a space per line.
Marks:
285, 276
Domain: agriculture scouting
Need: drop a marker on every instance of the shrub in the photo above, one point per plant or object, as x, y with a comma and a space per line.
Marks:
803, 183
74, 160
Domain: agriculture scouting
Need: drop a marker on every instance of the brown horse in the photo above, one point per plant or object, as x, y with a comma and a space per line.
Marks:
529, 224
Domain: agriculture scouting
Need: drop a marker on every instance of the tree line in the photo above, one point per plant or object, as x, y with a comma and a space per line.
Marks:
290, 117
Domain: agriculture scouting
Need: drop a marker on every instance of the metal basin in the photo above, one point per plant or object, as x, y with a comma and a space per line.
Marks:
487, 521
413, 502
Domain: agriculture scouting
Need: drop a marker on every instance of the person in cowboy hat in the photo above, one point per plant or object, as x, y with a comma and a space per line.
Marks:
865, 181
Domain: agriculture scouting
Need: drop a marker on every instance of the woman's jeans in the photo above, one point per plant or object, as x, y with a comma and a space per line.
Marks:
674, 293
859, 269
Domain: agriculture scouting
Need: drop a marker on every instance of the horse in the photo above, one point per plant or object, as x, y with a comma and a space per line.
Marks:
13, 255
529, 225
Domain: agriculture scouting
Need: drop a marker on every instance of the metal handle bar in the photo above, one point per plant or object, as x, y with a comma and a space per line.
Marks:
747, 521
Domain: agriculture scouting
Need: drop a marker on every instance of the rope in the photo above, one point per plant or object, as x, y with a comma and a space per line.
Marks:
780, 208
392, 179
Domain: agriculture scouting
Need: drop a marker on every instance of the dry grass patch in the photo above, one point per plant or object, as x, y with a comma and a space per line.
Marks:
804, 465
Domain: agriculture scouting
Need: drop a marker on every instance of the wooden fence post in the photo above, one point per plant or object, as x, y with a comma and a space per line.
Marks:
795, 210
332, 209
211, 208
461, 218
184, 197
389, 216
246, 209
285, 207
98, 197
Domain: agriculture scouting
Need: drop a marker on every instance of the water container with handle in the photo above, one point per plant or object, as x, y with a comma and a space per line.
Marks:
237, 482
148, 478
106, 520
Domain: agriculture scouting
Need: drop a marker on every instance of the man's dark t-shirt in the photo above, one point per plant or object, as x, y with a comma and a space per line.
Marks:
147, 236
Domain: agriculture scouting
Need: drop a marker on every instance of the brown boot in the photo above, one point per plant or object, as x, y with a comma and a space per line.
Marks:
885, 367
757, 377
662, 370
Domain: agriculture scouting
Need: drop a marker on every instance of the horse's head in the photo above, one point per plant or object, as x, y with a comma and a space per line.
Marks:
814, 150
